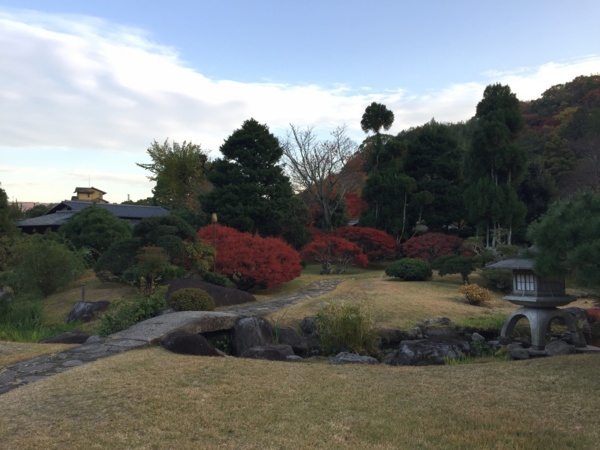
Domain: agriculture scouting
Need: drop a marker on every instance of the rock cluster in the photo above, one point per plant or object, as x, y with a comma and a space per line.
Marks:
86, 311
432, 342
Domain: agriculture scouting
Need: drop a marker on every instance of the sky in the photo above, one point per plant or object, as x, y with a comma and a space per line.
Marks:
86, 87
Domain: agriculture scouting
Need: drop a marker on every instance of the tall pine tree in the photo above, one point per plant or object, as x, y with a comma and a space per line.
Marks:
434, 160
251, 193
495, 166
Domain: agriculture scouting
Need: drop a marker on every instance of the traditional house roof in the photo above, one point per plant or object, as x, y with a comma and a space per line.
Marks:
513, 264
62, 212
89, 194
88, 190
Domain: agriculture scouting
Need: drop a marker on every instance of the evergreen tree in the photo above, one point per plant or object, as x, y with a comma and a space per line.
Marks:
387, 190
567, 239
495, 166
376, 117
434, 160
95, 228
6, 224
251, 193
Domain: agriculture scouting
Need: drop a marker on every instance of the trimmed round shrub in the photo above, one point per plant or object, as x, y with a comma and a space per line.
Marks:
409, 269
191, 299
475, 295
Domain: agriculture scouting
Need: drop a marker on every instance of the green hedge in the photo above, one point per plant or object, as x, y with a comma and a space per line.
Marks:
409, 269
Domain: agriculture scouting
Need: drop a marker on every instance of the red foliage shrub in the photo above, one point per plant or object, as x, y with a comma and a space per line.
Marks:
376, 244
593, 314
250, 260
430, 246
316, 234
330, 249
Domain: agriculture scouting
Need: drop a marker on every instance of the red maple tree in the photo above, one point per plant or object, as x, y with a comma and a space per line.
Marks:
376, 244
331, 250
250, 260
430, 246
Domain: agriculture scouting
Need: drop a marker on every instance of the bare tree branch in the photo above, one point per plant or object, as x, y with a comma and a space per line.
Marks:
320, 168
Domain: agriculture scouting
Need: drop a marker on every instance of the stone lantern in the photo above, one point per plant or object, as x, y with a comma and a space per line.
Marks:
539, 298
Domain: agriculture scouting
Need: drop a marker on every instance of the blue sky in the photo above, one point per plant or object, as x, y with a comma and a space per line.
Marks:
85, 87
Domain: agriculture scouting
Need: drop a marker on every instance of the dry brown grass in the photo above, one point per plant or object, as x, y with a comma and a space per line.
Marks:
395, 303
13, 352
153, 399
309, 275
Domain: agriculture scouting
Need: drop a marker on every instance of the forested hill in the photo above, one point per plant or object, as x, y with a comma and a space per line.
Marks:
562, 134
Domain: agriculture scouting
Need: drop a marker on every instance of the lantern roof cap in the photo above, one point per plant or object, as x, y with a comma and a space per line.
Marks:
512, 264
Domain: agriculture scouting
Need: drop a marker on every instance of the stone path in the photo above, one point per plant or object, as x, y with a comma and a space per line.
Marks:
147, 333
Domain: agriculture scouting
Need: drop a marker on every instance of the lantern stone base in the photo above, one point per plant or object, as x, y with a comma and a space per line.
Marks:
539, 323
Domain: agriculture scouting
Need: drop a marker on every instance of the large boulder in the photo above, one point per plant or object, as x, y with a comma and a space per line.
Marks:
289, 336
425, 352
516, 351
223, 296
251, 332
68, 337
390, 337
438, 328
581, 320
558, 348
269, 352
86, 311
188, 344
353, 358
308, 326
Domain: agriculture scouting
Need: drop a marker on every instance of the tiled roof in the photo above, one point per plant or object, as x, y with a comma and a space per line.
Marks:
64, 210
47, 220
122, 211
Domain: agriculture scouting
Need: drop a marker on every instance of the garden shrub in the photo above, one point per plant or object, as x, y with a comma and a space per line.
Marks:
409, 269
216, 279
113, 263
191, 299
451, 264
122, 314
475, 294
95, 228
430, 246
498, 280
327, 249
375, 244
251, 261
344, 327
44, 265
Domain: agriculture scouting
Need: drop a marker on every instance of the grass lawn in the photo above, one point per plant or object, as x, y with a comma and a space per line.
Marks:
394, 303
154, 399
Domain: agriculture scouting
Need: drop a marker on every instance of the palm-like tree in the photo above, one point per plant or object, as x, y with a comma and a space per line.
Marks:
376, 117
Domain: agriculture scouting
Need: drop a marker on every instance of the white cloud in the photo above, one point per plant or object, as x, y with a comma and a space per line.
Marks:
87, 87
531, 82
